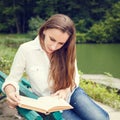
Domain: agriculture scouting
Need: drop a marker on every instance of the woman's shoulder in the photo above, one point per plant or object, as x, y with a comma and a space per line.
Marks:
31, 44
28, 45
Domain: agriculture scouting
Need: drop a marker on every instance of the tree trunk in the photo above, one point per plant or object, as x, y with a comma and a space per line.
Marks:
18, 26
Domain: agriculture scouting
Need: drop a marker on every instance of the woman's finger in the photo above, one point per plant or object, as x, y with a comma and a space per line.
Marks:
11, 105
11, 102
14, 97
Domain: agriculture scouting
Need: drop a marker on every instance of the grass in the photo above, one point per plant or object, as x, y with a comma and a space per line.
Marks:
9, 44
13, 40
8, 47
101, 93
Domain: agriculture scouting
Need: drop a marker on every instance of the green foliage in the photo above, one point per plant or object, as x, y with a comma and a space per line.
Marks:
112, 23
34, 25
101, 93
46, 8
14, 15
97, 33
81, 38
81, 25
106, 31
96, 21
5, 64
9, 44
108, 74
13, 40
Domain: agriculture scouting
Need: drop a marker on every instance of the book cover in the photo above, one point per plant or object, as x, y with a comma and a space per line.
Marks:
45, 104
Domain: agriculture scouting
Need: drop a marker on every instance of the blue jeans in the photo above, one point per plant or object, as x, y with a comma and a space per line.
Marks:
84, 108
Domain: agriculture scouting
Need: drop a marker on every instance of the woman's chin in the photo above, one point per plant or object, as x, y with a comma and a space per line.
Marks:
49, 52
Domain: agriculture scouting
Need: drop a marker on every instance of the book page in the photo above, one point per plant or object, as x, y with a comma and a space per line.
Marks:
44, 104
53, 102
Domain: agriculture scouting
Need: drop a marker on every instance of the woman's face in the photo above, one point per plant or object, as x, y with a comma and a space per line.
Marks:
54, 40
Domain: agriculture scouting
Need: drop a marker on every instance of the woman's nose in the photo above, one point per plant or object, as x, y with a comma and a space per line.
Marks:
54, 46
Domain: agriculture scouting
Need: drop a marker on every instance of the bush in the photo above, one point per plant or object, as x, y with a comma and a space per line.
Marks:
13, 40
81, 38
97, 33
101, 93
34, 24
5, 64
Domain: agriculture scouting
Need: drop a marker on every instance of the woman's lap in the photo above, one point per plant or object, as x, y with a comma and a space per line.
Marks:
84, 108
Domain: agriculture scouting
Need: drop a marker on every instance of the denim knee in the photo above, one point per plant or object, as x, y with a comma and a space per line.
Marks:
85, 107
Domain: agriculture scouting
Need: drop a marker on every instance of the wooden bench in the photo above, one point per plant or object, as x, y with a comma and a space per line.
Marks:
25, 89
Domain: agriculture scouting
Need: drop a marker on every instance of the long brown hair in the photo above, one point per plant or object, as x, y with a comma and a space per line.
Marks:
62, 69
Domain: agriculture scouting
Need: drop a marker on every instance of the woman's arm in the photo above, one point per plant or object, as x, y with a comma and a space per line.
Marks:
10, 86
16, 71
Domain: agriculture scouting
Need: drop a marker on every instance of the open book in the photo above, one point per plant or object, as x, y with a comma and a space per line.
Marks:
45, 104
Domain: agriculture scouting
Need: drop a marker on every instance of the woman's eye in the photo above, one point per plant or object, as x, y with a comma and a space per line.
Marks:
52, 39
61, 44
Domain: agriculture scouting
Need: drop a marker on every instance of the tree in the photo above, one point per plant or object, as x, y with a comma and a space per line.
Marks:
15, 15
34, 25
112, 23
107, 30
46, 8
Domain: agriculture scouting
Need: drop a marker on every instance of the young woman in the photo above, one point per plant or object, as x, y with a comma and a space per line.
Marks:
50, 63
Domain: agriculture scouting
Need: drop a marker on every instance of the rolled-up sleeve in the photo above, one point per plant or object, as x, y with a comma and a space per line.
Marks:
16, 71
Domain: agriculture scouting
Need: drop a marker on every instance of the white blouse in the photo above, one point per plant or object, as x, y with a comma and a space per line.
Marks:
33, 60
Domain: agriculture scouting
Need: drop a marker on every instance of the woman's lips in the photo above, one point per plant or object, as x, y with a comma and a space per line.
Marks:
50, 50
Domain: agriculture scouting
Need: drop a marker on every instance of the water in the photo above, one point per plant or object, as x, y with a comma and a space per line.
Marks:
99, 58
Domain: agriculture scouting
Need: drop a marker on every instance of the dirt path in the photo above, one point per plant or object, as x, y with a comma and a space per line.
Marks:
103, 79
7, 113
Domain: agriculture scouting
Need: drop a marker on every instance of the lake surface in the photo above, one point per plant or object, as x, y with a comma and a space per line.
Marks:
99, 58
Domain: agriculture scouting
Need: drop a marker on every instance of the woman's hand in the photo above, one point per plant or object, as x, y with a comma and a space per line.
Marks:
62, 93
13, 97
